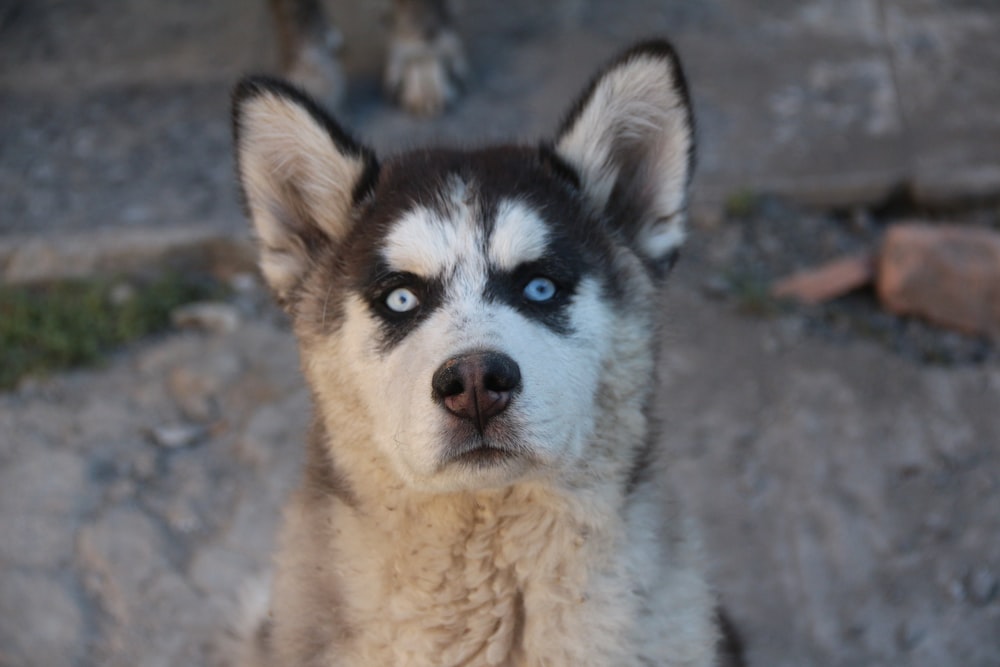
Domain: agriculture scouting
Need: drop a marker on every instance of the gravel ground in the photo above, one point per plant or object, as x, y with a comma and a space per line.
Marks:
740, 255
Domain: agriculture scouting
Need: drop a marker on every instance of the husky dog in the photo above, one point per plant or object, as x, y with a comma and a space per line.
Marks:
425, 61
478, 329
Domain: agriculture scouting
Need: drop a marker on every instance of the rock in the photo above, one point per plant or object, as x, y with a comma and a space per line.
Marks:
243, 282
908, 636
212, 316
175, 436
194, 393
947, 274
715, 287
827, 281
34, 258
196, 387
121, 294
981, 587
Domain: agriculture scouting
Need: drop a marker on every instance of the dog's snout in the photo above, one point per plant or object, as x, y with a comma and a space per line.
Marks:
477, 386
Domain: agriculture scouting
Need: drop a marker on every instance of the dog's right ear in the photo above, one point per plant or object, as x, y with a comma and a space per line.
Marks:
301, 176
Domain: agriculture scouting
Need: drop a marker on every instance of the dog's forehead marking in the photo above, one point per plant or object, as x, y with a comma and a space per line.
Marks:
436, 241
519, 235
433, 241
425, 243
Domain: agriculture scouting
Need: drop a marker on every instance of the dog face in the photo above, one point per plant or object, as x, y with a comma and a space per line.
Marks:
467, 313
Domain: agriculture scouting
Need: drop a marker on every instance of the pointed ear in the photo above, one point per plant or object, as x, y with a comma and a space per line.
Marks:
630, 138
301, 176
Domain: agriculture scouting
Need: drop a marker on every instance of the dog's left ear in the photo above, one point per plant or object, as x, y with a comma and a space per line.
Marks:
631, 140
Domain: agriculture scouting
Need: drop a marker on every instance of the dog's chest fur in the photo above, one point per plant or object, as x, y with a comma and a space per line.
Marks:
455, 581
511, 577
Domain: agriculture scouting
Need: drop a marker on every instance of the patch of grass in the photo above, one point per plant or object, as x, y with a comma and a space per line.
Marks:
73, 323
741, 204
752, 295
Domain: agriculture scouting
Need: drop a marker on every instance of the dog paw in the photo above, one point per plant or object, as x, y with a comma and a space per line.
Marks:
425, 76
316, 68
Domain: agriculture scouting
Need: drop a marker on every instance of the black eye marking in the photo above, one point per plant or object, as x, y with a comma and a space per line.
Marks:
400, 301
541, 290
396, 295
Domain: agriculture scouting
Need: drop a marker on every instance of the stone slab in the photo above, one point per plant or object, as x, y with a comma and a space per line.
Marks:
946, 57
117, 116
108, 251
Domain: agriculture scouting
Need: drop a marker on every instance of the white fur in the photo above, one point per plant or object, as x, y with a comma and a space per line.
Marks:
519, 236
424, 243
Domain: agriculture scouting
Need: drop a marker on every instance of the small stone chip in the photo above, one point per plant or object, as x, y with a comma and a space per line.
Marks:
175, 436
213, 316
981, 587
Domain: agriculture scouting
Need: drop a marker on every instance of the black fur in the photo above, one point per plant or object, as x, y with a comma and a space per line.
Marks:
579, 244
731, 651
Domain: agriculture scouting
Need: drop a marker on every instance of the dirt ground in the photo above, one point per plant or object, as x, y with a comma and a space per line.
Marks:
849, 490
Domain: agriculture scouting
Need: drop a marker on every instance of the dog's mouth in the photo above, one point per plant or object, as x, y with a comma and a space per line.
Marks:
484, 456
478, 450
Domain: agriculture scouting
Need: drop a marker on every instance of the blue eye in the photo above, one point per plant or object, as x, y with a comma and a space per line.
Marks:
401, 300
539, 289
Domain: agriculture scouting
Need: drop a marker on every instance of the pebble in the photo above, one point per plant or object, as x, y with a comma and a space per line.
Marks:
121, 294
212, 316
175, 436
908, 635
244, 282
715, 287
981, 586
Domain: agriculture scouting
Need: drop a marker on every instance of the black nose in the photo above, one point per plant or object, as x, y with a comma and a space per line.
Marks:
476, 386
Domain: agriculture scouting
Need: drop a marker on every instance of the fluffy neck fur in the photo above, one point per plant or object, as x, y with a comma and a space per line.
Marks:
490, 577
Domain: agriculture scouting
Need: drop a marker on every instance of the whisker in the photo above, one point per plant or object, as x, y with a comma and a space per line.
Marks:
326, 302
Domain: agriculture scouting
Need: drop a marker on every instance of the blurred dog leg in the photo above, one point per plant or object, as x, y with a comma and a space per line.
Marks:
425, 63
308, 47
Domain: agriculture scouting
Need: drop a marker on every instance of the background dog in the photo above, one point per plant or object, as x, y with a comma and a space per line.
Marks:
425, 60
479, 332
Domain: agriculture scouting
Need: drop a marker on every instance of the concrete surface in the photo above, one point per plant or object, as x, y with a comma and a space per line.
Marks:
849, 496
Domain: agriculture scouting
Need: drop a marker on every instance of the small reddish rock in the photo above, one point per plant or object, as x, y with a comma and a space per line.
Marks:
827, 281
949, 275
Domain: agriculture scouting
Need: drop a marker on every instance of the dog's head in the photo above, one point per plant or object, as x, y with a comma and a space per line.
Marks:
484, 316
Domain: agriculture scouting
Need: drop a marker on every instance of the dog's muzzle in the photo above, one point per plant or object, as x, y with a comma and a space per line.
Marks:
477, 386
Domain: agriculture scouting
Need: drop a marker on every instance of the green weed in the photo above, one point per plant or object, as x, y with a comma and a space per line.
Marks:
741, 204
74, 323
752, 295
